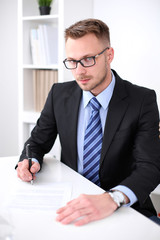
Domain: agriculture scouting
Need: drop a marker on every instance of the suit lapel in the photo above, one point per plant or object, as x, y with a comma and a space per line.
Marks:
117, 108
71, 112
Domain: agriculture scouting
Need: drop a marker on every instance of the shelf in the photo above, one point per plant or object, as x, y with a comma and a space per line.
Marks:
31, 66
40, 18
29, 18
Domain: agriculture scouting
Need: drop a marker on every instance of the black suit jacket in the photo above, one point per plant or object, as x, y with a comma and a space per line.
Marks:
131, 146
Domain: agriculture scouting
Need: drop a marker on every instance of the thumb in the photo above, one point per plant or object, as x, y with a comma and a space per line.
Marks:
35, 167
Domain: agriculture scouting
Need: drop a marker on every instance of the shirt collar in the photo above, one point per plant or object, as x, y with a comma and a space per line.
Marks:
104, 97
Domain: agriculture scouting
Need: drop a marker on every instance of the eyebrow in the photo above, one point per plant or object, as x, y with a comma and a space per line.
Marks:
85, 56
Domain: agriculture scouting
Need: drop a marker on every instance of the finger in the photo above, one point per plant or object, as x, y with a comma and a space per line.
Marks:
73, 210
23, 164
85, 220
64, 212
24, 175
69, 217
60, 210
23, 172
74, 202
35, 167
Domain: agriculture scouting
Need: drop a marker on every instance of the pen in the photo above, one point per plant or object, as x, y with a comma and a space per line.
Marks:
28, 154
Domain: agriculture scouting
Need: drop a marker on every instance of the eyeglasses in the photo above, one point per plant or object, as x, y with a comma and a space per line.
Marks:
85, 62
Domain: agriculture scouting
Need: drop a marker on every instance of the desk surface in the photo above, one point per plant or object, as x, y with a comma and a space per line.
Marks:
124, 224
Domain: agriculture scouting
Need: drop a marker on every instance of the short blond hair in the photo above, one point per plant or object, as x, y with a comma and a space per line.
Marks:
86, 26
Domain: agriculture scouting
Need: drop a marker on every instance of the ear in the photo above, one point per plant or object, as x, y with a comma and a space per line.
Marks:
110, 54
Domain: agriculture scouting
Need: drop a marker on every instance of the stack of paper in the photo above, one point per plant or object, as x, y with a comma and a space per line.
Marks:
39, 197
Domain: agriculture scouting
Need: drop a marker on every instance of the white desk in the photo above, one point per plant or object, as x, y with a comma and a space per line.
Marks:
124, 224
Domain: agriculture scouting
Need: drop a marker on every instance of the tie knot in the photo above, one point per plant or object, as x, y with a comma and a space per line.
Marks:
95, 105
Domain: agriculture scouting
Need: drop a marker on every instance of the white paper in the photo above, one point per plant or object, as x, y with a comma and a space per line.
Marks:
42, 197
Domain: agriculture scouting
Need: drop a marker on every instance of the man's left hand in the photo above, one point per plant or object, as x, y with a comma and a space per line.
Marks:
86, 208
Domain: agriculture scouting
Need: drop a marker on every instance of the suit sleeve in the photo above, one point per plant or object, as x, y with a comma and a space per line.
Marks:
45, 132
145, 175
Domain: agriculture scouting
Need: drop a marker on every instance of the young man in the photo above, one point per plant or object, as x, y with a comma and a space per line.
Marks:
124, 154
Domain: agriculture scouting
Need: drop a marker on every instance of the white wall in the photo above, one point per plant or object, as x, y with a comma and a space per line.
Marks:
135, 37
8, 79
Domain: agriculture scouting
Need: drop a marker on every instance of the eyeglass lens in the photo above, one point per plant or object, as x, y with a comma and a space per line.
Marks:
85, 62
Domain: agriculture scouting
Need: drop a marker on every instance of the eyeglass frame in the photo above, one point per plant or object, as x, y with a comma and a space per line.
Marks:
79, 61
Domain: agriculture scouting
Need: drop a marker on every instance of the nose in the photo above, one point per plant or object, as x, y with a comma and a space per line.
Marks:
80, 69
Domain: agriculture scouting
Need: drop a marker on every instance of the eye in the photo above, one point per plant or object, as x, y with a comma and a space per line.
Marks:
88, 59
71, 61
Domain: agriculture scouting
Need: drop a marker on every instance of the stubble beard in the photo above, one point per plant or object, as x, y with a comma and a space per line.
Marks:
95, 87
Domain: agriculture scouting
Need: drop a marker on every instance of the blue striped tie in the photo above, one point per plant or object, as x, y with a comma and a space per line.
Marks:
93, 144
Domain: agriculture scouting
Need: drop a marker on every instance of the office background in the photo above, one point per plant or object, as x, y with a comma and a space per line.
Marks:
135, 37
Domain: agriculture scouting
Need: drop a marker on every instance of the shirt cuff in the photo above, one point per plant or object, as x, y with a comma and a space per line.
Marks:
128, 192
35, 160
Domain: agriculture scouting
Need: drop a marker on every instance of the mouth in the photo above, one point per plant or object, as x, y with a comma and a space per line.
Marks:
84, 80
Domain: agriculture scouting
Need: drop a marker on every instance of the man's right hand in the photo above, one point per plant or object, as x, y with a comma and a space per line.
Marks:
23, 171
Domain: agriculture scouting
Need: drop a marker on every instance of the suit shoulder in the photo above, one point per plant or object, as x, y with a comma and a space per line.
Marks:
124, 86
65, 85
64, 90
136, 87
127, 90
137, 90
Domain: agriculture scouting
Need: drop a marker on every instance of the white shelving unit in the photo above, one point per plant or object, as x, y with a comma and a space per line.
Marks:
63, 14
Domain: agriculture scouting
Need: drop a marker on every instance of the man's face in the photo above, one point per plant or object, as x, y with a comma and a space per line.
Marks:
95, 78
